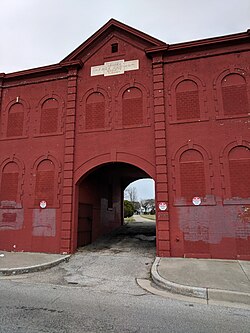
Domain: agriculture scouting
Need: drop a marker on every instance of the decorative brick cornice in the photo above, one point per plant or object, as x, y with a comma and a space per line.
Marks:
2, 75
42, 71
39, 71
74, 64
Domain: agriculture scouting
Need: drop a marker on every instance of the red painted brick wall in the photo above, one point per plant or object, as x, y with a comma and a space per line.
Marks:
201, 158
31, 165
181, 118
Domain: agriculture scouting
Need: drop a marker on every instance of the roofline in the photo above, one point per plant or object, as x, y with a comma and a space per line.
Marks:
214, 41
164, 48
49, 69
109, 24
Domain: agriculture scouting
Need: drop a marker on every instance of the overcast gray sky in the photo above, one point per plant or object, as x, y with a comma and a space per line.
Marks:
42, 32
145, 189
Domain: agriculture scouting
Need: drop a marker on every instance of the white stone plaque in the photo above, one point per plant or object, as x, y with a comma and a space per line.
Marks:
114, 67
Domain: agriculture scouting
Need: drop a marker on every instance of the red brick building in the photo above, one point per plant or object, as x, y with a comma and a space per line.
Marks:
120, 107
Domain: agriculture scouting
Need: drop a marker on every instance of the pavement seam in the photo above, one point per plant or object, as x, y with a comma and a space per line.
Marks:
207, 295
228, 296
243, 270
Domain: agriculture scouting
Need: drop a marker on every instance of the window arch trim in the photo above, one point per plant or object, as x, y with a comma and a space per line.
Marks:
5, 117
60, 120
209, 199
107, 110
21, 170
219, 107
57, 180
224, 171
202, 99
146, 121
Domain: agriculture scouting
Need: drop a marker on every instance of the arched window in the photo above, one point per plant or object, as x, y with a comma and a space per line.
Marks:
187, 100
15, 120
49, 116
239, 172
9, 182
192, 175
234, 95
45, 182
132, 107
95, 111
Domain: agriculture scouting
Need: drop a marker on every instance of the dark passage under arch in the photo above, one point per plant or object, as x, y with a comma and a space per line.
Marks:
100, 200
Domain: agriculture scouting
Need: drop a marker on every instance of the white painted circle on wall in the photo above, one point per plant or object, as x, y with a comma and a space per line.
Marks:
162, 206
43, 204
196, 201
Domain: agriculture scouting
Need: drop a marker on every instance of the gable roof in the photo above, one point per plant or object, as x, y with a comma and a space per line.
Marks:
111, 26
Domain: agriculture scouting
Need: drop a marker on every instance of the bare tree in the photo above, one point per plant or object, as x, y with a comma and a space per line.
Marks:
131, 194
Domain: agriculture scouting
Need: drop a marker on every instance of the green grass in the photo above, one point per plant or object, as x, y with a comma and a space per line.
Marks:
149, 217
129, 219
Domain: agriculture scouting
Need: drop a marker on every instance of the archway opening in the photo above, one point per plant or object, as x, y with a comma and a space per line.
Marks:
141, 193
101, 201
139, 197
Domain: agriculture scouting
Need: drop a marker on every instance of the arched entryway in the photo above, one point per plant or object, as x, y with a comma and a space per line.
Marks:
99, 200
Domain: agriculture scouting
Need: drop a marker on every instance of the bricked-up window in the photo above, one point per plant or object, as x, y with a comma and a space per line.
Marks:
15, 120
49, 116
239, 172
132, 107
9, 182
192, 175
187, 100
95, 112
45, 182
114, 47
234, 95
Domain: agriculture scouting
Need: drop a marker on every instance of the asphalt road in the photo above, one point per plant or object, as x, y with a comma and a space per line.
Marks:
97, 292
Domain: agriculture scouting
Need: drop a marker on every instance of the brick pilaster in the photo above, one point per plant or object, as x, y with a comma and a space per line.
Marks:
1, 89
161, 181
68, 166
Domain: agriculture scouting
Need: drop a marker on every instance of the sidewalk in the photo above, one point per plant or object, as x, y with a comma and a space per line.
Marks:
206, 279
217, 280
12, 263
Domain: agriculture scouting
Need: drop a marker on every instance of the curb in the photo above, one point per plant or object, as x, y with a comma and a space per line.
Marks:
209, 294
34, 268
175, 287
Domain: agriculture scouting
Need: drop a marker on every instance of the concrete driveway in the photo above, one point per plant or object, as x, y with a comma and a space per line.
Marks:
112, 264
